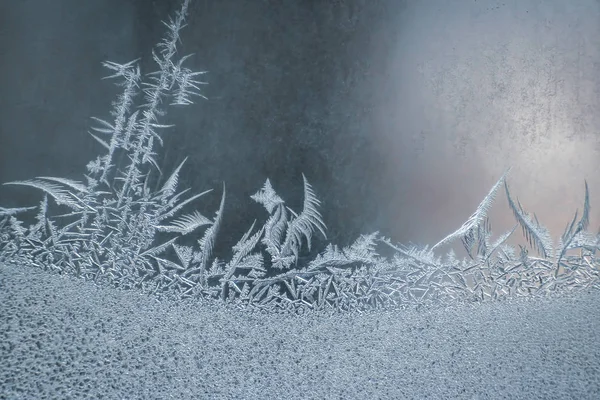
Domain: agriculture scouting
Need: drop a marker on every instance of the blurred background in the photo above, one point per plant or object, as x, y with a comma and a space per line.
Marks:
401, 114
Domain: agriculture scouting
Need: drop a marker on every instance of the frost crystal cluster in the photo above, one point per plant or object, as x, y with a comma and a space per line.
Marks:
116, 230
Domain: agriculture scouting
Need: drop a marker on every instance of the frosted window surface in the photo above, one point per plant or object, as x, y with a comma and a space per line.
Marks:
375, 318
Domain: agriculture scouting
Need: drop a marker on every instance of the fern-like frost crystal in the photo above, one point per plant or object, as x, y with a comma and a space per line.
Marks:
115, 229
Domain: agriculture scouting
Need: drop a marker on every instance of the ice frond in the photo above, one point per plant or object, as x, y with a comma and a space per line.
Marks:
243, 259
364, 248
483, 235
573, 231
170, 185
41, 218
362, 252
208, 240
148, 158
78, 186
420, 255
585, 217
60, 195
305, 224
507, 252
537, 235
245, 246
267, 197
126, 70
499, 242
158, 249
186, 84
451, 258
175, 208
185, 224
7, 212
132, 125
168, 45
276, 225
108, 128
275, 229
585, 240
255, 263
332, 256
184, 254
478, 216
102, 142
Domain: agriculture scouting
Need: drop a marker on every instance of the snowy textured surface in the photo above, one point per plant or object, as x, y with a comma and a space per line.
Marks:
64, 338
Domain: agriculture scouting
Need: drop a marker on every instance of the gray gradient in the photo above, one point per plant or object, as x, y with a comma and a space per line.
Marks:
402, 114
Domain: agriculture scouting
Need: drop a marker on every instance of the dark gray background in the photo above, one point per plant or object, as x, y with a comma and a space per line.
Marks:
402, 114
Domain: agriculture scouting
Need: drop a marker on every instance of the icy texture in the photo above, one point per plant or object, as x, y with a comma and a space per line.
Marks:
115, 230
62, 338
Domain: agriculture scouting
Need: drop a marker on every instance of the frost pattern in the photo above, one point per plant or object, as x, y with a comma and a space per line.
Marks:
114, 227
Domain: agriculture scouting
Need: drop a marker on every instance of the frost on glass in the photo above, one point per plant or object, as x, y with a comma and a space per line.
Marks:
114, 229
